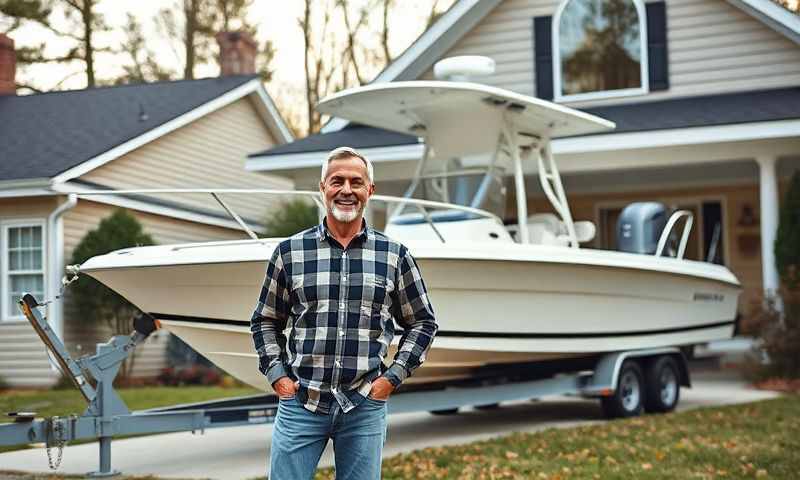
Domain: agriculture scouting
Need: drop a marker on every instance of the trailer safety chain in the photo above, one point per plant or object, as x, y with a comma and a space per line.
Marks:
55, 438
70, 276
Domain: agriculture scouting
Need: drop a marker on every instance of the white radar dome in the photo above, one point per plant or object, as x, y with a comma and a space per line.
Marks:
461, 69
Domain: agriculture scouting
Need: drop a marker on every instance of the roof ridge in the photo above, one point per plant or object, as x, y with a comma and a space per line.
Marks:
140, 84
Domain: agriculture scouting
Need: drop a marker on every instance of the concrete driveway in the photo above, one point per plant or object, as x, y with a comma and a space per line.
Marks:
241, 452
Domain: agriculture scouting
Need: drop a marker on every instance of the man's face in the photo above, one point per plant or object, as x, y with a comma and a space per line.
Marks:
346, 189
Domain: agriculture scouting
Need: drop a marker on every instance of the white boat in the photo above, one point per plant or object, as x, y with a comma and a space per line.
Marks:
502, 295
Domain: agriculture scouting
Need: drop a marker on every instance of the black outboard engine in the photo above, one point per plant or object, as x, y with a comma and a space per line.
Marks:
639, 227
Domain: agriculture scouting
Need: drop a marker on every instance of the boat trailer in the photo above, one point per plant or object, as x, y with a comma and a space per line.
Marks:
107, 415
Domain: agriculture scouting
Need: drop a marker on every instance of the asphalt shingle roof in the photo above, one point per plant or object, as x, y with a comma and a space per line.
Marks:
354, 135
688, 112
45, 134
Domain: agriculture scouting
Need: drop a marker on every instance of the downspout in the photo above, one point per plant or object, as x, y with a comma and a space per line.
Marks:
55, 263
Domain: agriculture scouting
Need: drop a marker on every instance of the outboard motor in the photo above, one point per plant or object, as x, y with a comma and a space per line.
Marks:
639, 227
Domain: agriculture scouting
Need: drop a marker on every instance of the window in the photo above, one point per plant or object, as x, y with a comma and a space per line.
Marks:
22, 264
600, 49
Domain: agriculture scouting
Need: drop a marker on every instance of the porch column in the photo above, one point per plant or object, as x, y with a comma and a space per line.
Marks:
768, 188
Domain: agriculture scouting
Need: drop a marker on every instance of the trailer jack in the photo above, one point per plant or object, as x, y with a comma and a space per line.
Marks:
106, 414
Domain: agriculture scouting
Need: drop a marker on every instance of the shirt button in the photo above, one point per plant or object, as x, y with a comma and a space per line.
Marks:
341, 333
337, 363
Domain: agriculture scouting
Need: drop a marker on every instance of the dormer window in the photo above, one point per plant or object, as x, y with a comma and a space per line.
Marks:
600, 49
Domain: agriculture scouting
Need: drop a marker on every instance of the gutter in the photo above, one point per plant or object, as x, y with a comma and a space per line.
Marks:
55, 263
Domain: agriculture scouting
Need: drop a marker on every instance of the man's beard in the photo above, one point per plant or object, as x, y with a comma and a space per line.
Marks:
345, 216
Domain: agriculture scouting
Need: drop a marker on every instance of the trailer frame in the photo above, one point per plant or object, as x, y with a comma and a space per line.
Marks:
107, 416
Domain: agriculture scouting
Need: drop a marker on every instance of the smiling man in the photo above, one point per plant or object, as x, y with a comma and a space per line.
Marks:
339, 288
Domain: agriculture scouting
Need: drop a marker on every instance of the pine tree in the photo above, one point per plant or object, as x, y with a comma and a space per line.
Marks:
787, 241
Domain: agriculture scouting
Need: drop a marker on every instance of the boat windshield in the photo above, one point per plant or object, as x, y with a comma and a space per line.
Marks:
463, 182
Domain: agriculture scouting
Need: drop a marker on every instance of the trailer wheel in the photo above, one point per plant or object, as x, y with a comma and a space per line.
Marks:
663, 385
628, 398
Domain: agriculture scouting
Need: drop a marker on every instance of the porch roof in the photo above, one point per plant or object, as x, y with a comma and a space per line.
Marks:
686, 112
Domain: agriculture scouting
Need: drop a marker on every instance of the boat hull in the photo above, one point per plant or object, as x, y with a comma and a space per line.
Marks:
490, 310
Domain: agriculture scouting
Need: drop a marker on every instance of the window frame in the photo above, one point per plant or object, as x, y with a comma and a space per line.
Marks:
5, 274
558, 95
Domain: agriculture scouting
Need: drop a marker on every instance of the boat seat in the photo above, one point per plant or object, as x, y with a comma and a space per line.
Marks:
437, 217
548, 229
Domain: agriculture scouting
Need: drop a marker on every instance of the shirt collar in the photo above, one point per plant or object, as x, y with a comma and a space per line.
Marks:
365, 233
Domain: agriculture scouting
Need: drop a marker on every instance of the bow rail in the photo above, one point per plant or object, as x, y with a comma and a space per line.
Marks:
422, 205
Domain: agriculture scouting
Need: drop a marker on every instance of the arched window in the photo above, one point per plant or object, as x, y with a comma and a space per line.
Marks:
600, 49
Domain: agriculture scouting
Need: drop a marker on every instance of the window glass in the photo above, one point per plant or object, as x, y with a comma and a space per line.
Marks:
25, 260
600, 46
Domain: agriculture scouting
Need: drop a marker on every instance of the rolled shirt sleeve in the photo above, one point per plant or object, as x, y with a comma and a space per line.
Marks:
413, 312
269, 319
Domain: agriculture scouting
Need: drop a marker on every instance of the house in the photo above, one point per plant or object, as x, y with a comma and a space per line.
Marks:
180, 134
705, 95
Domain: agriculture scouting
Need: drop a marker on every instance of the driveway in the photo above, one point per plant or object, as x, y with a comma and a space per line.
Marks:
241, 452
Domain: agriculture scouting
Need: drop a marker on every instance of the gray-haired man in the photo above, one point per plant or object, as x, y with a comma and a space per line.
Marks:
339, 287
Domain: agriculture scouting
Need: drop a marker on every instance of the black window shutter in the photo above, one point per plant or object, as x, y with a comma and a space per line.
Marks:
658, 61
543, 56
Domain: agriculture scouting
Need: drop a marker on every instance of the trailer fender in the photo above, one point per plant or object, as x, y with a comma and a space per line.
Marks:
606, 373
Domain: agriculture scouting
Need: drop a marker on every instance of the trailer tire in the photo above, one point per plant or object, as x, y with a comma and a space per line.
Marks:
663, 389
629, 396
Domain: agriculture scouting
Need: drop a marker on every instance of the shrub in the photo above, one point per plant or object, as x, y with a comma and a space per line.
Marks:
778, 332
190, 375
96, 302
291, 217
777, 340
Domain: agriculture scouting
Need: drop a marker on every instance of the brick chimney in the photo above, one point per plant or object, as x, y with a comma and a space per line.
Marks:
8, 66
237, 53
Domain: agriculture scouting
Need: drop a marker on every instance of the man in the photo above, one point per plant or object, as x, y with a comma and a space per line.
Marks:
339, 287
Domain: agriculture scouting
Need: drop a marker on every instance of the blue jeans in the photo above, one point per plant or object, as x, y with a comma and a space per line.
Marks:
300, 436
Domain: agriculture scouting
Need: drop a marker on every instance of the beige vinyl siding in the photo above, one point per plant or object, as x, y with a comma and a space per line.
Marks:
81, 337
207, 153
713, 48
23, 357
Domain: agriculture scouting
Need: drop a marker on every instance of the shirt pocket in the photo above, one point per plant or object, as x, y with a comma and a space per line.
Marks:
371, 291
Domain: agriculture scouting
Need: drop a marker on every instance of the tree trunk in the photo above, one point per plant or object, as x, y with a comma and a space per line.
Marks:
88, 18
190, 28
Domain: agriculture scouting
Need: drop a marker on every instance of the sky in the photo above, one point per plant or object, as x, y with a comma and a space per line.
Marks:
277, 21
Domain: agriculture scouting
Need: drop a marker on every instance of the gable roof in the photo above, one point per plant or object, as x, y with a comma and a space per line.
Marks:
465, 14
64, 134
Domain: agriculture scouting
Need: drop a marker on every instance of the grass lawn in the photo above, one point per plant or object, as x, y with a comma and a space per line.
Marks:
757, 440
48, 403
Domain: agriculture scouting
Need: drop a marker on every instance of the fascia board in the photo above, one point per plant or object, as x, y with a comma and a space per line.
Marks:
24, 183
144, 206
275, 120
677, 137
158, 132
773, 15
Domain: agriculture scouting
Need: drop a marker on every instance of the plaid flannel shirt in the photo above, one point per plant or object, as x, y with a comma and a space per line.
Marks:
340, 306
